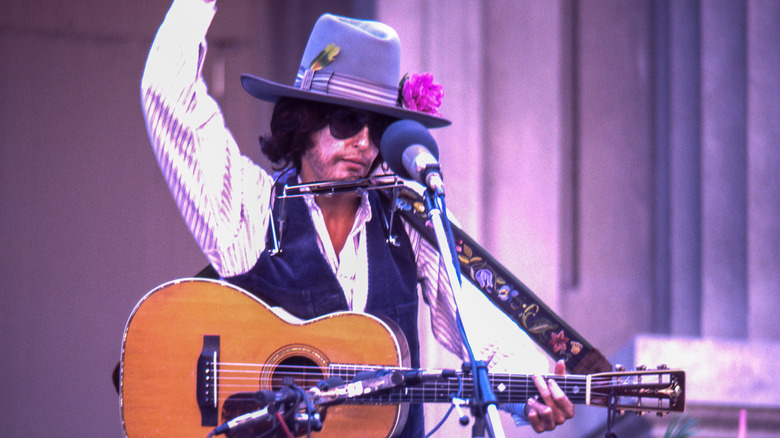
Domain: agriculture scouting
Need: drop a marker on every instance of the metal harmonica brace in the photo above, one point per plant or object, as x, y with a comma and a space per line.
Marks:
329, 188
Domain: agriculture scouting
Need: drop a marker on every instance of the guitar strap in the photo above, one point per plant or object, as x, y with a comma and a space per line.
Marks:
509, 294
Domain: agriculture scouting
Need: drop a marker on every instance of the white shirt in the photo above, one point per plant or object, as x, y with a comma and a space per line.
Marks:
351, 264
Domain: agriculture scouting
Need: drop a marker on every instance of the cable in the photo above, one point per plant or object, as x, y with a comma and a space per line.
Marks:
449, 411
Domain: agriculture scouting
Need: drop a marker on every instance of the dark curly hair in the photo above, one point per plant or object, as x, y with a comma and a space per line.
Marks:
292, 124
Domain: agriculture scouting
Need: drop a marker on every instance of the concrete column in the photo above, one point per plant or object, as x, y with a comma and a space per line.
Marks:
616, 176
763, 215
448, 41
724, 179
684, 146
523, 136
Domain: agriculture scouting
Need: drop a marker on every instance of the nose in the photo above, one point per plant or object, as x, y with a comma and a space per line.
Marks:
363, 139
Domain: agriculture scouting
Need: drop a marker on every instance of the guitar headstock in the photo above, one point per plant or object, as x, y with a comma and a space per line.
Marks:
661, 390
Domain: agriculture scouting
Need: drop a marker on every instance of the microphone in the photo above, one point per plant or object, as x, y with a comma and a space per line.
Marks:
255, 417
283, 396
275, 401
416, 376
411, 152
363, 383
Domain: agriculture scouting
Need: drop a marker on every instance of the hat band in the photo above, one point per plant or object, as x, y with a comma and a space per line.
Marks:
350, 87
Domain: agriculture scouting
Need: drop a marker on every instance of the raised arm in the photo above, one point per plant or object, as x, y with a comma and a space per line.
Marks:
222, 195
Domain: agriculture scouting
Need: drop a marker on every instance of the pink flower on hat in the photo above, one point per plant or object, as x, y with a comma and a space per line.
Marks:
420, 93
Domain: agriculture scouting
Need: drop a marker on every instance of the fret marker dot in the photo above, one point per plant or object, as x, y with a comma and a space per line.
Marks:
501, 387
576, 390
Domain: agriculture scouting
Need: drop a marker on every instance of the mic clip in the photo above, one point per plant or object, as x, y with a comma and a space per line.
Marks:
357, 388
431, 174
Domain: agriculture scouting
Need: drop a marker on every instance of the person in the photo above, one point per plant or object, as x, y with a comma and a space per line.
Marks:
326, 126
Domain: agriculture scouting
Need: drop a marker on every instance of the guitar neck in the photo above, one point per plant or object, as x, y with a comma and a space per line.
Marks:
508, 388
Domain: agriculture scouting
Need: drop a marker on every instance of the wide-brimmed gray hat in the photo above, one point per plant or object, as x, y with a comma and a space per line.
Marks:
349, 62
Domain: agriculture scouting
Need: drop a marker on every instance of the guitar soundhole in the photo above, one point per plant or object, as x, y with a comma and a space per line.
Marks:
303, 371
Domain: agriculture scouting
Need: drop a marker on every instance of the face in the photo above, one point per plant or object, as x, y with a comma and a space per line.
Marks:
334, 158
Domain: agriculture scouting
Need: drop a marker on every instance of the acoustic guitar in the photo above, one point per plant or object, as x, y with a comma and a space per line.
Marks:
196, 353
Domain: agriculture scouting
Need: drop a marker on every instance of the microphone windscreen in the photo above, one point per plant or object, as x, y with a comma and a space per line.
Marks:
399, 136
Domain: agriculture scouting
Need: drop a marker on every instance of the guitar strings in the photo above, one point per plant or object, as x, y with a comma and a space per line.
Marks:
256, 372
238, 382
247, 377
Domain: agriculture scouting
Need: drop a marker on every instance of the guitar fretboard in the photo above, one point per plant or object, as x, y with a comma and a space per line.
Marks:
508, 388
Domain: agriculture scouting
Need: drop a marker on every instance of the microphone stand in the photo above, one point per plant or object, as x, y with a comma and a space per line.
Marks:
484, 406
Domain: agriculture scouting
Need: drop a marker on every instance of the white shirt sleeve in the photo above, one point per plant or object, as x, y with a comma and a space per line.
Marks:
223, 196
492, 335
437, 292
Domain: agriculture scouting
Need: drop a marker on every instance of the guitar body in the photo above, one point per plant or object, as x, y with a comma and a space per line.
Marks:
167, 333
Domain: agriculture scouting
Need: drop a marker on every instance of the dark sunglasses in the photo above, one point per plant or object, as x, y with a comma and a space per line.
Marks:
345, 123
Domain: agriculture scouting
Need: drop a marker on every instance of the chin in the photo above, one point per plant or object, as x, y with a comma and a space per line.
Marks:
352, 177
353, 173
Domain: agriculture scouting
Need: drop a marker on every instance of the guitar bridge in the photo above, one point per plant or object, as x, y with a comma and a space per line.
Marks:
207, 374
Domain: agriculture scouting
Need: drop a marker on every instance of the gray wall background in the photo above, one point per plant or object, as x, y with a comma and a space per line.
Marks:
620, 157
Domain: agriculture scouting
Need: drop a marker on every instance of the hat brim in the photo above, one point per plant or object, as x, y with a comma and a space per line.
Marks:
272, 91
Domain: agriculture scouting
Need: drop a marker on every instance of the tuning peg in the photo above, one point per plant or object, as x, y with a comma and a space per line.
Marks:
641, 367
663, 366
619, 367
661, 414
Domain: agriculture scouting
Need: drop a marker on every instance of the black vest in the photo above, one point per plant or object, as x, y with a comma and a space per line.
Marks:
300, 280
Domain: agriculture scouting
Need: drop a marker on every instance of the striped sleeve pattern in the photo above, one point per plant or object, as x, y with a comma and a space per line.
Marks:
503, 349
222, 195
436, 289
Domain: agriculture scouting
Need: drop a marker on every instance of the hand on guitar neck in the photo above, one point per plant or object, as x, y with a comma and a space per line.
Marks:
552, 407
